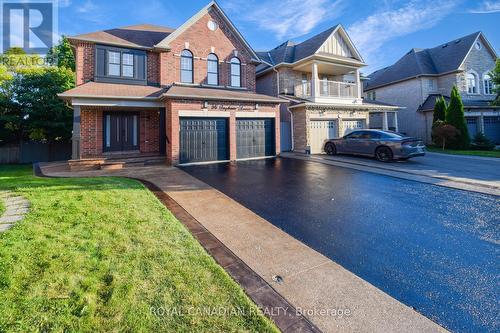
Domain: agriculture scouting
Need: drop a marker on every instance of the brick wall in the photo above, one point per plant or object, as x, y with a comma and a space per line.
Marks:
149, 135
84, 57
173, 125
267, 84
153, 63
299, 129
201, 42
91, 132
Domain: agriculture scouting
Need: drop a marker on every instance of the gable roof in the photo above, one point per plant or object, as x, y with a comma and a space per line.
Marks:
444, 58
212, 5
137, 36
290, 52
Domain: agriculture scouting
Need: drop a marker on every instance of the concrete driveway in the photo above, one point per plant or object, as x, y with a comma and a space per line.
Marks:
433, 248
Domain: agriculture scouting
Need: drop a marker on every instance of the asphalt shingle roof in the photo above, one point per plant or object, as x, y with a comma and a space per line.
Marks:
441, 59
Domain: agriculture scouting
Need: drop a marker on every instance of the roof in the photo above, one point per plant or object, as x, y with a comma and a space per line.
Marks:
438, 60
291, 52
218, 94
430, 101
127, 91
141, 36
378, 103
112, 90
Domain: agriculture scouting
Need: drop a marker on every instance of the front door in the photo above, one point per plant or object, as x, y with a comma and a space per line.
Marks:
121, 131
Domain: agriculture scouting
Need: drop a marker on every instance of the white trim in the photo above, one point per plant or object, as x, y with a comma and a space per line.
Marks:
166, 41
487, 44
204, 113
249, 114
347, 39
477, 82
487, 73
115, 102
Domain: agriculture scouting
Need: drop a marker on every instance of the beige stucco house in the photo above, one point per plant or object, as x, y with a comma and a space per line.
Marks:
422, 75
321, 78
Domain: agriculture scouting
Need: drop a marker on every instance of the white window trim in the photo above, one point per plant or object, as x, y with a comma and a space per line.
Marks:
487, 74
476, 79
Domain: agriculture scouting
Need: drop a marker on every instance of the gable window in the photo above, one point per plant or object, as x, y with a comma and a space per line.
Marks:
187, 67
212, 69
235, 72
127, 65
488, 84
430, 83
114, 63
471, 83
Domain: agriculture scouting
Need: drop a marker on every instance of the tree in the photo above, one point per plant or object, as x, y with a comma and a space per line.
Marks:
439, 109
495, 78
33, 109
455, 117
444, 133
62, 55
481, 142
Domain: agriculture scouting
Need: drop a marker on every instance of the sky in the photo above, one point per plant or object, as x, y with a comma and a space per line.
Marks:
382, 30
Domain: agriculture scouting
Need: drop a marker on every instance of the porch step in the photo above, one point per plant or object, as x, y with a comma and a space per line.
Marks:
116, 162
112, 166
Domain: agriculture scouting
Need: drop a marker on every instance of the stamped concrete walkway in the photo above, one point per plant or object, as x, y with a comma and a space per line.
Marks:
331, 297
15, 209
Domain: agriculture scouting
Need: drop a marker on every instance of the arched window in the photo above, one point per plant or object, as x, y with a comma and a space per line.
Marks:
187, 67
471, 83
235, 72
212, 69
488, 84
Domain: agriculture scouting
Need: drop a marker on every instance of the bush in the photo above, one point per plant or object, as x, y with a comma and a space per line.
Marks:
443, 133
455, 117
481, 142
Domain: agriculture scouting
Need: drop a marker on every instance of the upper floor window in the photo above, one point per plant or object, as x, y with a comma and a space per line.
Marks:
488, 84
212, 69
120, 65
235, 72
430, 84
471, 83
187, 67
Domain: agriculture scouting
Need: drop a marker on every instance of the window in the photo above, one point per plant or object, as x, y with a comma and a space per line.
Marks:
488, 84
354, 135
430, 83
212, 69
471, 83
128, 65
371, 95
478, 46
235, 72
114, 63
186, 67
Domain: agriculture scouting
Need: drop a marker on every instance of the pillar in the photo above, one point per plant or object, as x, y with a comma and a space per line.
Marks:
75, 138
481, 123
314, 80
385, 125
232, 137
358, 83
396, 126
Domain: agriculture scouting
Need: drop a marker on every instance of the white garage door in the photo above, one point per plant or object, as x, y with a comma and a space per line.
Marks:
319, 131
350, 125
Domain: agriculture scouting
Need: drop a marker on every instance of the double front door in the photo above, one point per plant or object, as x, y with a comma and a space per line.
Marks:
121, 131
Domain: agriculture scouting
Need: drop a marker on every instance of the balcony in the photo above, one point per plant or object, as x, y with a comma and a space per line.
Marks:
334, 89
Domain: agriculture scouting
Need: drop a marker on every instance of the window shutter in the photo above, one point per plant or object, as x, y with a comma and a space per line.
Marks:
140, 63
100, 61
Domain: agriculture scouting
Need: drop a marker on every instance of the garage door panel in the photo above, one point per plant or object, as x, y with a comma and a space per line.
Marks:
492, 128
203, 139
255, 138
319, 131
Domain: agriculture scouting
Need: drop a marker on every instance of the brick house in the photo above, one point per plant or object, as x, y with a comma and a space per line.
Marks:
422, 75
187, 94
320, 77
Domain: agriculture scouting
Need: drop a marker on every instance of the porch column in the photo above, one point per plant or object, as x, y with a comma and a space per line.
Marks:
481, 123
385, 125
232, 137
396, 126
358, 84
314, 80
75, 138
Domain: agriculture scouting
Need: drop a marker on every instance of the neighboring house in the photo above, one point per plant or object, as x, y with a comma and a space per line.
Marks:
187, 94
422, 75
321, 79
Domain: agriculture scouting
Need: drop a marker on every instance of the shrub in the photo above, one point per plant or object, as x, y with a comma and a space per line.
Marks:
481, 142
455, 117
444, 133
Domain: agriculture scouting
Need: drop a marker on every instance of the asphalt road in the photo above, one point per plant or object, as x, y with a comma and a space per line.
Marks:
433, 248
467, 167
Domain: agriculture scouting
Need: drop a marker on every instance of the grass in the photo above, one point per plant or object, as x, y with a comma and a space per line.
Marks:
2, 207
102, 255
484, 153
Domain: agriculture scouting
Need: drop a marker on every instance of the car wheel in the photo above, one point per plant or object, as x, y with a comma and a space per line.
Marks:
330, 149
384, 154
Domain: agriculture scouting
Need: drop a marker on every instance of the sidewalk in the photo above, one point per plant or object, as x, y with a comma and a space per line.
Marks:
332, 298
433, 177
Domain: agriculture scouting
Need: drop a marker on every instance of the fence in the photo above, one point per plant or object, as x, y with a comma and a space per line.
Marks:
29, 152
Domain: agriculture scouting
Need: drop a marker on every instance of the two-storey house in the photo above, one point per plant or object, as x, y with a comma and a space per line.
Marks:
320, 77
187, 94
422, 75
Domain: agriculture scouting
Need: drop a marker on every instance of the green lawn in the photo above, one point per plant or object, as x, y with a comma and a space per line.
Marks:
102, 255
2, 207
484, 153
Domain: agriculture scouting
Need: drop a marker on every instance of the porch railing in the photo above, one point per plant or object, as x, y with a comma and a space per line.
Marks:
326, 89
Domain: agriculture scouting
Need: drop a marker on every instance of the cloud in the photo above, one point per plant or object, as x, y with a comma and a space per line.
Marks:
286, 18
63, 3
371, 33
487, 7
87, 7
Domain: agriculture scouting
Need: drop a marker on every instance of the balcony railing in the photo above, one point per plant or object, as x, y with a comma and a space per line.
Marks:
326, 89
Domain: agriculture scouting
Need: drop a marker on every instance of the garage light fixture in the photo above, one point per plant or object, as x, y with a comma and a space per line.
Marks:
205, 104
